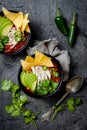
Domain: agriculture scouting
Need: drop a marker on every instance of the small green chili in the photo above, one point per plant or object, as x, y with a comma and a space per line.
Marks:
1, 46
18, 32
72, 29
55, 74
18, 38
4, 39
44, 68
59, 20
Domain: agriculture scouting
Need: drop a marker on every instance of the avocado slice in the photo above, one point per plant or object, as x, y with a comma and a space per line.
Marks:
5, 26
32, 80
28, 80
22, 75
4, 30
27, 77
3, 20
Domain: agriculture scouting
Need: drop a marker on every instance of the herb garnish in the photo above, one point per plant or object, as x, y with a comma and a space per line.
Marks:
71, 105
17, 107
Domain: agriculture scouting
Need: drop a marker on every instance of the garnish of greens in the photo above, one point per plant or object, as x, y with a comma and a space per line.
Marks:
70, 104
17, 107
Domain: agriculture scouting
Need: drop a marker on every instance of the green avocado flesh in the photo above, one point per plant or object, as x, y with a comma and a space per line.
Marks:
5, 26
28, 80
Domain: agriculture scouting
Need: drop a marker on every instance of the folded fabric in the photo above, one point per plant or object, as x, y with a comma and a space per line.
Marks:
51, 47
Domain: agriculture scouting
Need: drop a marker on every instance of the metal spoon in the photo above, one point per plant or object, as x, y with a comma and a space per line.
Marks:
71, 87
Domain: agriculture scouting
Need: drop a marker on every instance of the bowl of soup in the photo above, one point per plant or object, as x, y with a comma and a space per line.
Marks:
14, 32
40, 75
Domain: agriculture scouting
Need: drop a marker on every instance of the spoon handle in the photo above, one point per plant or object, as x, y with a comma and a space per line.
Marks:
47, 115
62, 98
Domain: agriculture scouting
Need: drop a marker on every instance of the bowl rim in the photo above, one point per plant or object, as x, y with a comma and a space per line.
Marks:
48, 95
21, 48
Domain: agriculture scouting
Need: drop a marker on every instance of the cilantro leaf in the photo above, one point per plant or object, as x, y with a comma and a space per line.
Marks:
70, 102
28, 120
13, 110
27, 113
78, 101
14, 88
15, 91
17, 107
6, 85
16, 113
15, 94
9, 109
71, 108
23, 99
17, 102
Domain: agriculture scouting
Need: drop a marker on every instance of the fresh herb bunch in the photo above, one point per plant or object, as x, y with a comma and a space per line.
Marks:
71, 105
17, 107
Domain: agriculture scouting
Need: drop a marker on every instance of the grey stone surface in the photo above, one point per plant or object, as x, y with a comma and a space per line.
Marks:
42, 14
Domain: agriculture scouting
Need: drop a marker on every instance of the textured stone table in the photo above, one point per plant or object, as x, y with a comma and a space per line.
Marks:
42, 13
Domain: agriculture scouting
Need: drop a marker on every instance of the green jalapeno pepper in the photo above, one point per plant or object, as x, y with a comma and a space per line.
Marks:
59, 20
4, 39
72, 29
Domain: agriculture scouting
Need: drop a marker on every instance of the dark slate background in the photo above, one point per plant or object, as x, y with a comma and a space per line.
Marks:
42, 14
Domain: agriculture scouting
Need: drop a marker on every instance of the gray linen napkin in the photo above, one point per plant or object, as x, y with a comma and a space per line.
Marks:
50, 46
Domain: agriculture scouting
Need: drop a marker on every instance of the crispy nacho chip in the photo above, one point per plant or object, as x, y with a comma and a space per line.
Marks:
10, 15
29, 59
27, 29
25, 22
18, 19
40, 56
40, 59
26, 65
47, 63
43, 60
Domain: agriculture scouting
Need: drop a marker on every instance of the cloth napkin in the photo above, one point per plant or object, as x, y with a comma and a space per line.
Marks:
51, 46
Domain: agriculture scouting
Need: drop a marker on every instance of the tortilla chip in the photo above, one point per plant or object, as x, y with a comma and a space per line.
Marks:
47, 63
27, 29
10, 15
26, 65
40, 59
19, 20
41, 55
29, 59
25, 22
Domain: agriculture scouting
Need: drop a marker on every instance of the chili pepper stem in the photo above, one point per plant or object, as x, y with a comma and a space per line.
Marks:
74, 18
58, 12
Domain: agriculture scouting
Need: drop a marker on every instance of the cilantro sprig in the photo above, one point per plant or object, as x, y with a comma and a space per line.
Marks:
17, 107
70, 104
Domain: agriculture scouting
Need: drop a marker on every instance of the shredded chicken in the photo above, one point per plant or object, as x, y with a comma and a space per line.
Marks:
11, 36
40, 73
